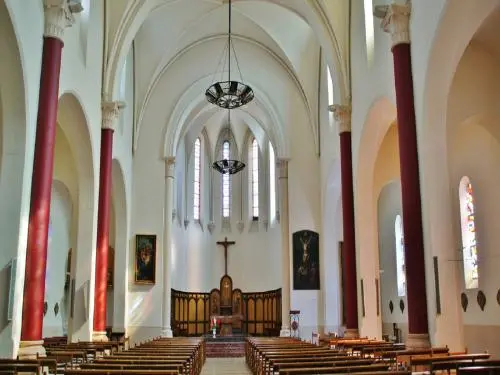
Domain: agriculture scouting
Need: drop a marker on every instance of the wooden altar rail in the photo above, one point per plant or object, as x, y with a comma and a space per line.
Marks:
261, 313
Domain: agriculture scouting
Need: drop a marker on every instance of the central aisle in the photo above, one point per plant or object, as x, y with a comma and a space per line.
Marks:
225, 366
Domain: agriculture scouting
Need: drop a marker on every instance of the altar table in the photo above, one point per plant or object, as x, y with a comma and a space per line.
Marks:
226, 323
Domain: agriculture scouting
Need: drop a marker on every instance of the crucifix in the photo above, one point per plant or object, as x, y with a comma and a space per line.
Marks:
226, 244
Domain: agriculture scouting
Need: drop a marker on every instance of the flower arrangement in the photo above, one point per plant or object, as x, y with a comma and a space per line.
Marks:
214, 323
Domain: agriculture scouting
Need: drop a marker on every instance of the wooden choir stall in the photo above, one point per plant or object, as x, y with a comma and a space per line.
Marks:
257, 313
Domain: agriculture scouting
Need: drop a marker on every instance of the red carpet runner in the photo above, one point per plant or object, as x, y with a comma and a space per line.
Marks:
225, 349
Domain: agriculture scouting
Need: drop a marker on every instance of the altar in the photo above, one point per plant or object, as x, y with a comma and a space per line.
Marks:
226, 323
238, 314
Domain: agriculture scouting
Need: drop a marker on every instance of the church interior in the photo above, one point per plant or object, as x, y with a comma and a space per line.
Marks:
245, 186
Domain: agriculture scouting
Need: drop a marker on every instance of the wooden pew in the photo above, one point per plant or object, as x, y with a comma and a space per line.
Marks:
426, 363
371, 369
117, 372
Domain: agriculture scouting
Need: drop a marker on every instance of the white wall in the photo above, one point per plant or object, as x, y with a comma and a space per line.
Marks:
57, 258
389, 206
474, 151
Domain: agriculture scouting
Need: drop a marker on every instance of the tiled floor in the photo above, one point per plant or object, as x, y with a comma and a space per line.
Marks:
225, 366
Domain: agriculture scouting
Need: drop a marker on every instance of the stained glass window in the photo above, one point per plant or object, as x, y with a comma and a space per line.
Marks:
469, 243
255, 179
196, 183
226, 196
400, 256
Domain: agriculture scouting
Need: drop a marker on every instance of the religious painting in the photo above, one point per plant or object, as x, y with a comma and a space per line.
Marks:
306, 260
145, 259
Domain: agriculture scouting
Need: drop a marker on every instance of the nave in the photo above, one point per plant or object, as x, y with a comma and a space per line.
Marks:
263, 356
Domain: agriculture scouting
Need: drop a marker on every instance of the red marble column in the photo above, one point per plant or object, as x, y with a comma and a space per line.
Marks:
110, 112
57, 17
343, 116
396, 21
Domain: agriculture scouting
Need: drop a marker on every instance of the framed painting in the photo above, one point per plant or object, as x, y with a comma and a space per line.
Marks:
111, 267
306, 260
145, 259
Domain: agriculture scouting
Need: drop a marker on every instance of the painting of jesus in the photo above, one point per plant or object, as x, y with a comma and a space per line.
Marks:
145, 259
305, 260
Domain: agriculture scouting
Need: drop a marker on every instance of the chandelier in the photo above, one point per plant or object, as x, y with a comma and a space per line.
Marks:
229, 94
226, 166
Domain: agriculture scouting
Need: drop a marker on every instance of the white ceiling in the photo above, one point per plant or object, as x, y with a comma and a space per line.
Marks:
179, 43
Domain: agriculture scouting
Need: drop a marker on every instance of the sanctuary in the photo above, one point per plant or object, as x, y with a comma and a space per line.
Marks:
305, 172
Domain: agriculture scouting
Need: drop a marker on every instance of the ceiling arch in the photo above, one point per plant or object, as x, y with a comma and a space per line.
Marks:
191, 109
135, 13
289, 73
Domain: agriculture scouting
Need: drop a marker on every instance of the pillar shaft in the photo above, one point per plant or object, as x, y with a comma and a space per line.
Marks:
101, 268
58, 16
410, 190
342, 115
41, 185
396, 21
110, 112
285, 247
167, 241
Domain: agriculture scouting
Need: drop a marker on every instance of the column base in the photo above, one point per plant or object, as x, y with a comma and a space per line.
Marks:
167, 332
285, 332
418, 341
351, 333
31, 350
99, 336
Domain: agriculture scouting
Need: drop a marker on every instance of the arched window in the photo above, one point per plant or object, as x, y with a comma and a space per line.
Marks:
197, 179
123, 81
272, 183
226, 188
469, 244
255, 179
330, 86
400, 256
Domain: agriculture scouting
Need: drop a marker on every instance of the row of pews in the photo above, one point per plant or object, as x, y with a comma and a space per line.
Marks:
156, 357
287, 356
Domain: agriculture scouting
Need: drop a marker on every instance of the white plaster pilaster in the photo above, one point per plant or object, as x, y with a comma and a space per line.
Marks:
396, 21
282, 166
167, 240
342, 114
58, 16
110, 114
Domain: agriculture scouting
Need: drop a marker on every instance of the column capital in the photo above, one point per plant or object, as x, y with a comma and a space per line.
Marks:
170, 166
59, 16
396, 21
342, 114
110, 113
282, 165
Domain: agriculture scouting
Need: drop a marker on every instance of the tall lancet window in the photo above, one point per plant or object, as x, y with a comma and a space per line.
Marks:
197, 179
400, 256
255, 179
226, 188
468, 225
272, 183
